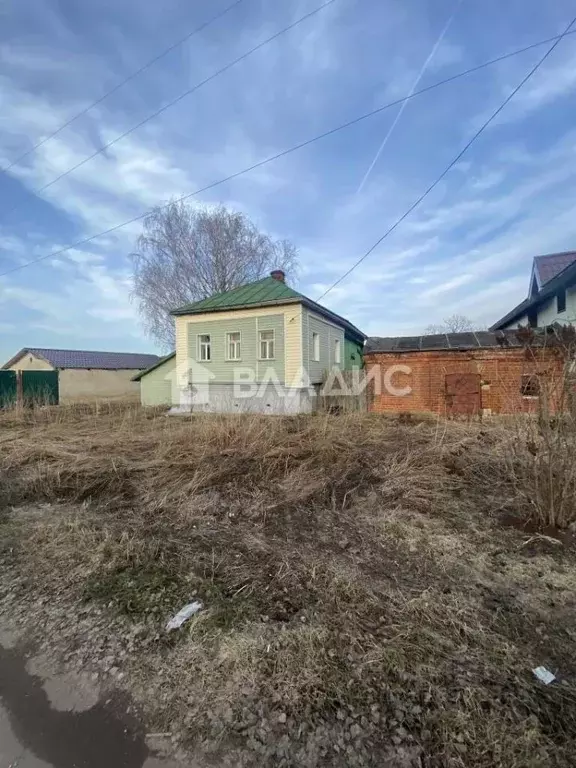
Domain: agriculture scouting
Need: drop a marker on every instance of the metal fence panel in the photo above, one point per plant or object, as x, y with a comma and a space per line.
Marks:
40, 387
8, 388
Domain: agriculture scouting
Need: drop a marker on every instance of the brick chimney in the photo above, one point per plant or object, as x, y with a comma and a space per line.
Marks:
278, 274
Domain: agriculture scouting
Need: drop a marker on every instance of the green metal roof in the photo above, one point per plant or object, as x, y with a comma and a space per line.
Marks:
265, 292
267, 289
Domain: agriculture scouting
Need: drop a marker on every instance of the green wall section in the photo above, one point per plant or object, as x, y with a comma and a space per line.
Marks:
156, 386
249, 328
353, 352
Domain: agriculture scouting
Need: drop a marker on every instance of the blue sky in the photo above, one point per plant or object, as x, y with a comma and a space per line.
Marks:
467, 249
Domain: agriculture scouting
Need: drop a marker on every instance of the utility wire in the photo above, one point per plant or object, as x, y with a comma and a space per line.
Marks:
121, 84
448, 168
196, 87
294, 148
421, 74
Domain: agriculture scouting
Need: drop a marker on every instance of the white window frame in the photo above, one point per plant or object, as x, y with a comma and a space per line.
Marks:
228, 358
315, 346
337, 351
203, 345
267, 342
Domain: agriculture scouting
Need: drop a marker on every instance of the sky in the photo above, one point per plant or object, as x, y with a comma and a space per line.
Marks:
467, 249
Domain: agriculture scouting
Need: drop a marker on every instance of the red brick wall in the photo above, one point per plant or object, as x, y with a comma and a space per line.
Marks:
500, 372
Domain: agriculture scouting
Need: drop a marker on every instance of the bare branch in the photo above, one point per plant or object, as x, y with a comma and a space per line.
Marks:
186, 253
453, 324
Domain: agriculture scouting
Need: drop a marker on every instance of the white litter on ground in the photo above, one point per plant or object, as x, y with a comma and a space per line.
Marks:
544, 675
183, 615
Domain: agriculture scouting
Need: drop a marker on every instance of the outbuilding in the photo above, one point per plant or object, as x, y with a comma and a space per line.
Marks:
158, 382
86, 375
459, 373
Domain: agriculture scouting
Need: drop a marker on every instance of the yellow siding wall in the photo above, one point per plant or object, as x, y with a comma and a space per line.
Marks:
292, 327
80, 384
293, 345
156, 386
30, 362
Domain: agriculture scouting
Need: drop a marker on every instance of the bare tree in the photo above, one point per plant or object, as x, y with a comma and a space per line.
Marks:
453, 324
186, 253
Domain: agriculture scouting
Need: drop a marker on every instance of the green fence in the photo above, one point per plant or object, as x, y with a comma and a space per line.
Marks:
40, 387
8, 388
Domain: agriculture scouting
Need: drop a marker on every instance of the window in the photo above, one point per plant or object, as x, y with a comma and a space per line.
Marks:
204, 347
316, 346
337, 353
561, 301
233, 346
530, 385
533, 318
266, 345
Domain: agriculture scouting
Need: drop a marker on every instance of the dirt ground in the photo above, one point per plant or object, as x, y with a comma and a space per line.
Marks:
375, 593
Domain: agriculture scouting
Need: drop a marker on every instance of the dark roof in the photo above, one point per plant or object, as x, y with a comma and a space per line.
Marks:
157, 364
263, 293
443, 341
547, 267
76, 358
562, 280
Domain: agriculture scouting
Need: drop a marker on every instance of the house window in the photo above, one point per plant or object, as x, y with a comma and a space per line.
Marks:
233, 346
337, 353
204, 347
561, 301
315, 346
533, 318
530, 385
266, 345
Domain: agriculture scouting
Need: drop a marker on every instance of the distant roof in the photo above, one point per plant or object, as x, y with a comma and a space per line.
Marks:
563, 279
443, 341
266, 292
547, 267
76, 358
157, 364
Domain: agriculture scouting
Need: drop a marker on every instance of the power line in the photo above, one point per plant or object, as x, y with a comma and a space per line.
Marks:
294, 148
478, 133
121, 84
196, 87
400, 112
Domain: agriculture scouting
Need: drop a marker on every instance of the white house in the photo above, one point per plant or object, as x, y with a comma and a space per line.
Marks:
552, 294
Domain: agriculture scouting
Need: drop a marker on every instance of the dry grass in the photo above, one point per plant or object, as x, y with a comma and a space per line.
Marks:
364, 602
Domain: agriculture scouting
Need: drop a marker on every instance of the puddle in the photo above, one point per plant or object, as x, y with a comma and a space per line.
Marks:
36, 734
66, 691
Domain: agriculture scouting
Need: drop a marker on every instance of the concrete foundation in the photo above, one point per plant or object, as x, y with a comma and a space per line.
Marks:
222, 398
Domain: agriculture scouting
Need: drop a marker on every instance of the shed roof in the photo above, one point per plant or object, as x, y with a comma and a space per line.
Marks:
153, 367
444, 341
77, 358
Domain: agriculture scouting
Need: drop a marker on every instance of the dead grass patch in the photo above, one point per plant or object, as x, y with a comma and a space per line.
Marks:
363, 603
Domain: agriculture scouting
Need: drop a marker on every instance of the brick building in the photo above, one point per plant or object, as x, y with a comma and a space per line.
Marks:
459, 373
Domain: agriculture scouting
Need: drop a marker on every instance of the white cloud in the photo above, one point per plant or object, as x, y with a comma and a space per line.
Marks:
474, 237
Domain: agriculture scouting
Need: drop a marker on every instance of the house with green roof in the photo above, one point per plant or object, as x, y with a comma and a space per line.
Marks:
261, 347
